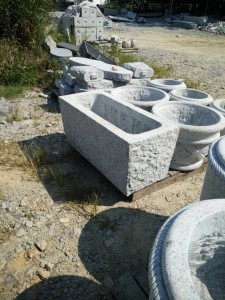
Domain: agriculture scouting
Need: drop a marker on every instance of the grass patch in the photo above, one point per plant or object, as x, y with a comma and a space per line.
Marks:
11, 91
13, 115
192, 84
161, 71
91, 206
11, 155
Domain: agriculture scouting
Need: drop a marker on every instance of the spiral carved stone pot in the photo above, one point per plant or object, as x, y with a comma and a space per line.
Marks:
214, 182
191, 95
187, 260
199, 126
141, 96
167, 85
220, 106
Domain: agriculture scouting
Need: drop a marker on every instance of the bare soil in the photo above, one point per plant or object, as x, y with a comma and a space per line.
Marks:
92, 238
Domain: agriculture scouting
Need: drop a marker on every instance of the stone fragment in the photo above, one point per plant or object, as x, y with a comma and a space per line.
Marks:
70, 80
139, 69
43, 274
28, 223
87, 73
41, 244
65, 89
64, 220
21, 232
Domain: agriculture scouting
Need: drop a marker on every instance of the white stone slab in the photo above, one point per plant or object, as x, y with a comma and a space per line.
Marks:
110, 72
103, 84
130, 146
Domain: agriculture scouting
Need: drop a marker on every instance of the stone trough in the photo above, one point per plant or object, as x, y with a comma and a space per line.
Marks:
131, 147
187, 260
141, 96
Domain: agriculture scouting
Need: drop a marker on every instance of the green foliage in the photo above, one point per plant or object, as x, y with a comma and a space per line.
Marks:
25, 67
25, 20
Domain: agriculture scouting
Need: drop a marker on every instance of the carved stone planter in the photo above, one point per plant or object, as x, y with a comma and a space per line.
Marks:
214, 182
167, 85
187, 260
199, 126
220, 106
191, 95
141, 96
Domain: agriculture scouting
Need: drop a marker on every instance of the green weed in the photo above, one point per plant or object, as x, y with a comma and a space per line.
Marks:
13, 115
11, 91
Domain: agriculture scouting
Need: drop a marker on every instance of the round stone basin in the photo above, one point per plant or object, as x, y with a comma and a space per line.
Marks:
219, 104
167, 85
191, 95
192, 249
141, 96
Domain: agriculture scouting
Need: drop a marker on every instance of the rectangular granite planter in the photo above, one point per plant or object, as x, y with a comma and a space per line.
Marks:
130, 146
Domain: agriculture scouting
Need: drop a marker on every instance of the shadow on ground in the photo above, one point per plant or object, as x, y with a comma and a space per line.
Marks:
66, 175
66, 287
117, 241
114, 242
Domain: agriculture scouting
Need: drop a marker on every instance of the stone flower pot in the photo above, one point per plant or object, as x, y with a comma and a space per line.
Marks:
167, 85
199, 127
220, 106
141, 96
214, 182
187, 258
191, 95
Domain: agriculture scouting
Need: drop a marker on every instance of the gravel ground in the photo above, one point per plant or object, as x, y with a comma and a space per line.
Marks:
66, 232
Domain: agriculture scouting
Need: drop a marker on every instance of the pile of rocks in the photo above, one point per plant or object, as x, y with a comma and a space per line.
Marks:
215, 27
82, 75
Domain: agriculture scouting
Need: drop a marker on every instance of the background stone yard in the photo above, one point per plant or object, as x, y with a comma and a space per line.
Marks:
66, 232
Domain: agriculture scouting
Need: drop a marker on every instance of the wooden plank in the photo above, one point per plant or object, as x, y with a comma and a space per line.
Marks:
166, 182
131, 289
142, 280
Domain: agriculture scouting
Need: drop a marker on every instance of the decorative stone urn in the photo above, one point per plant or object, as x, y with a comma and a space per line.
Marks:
141, 96
191, 95
187, 260
214, 182
219, 105
167, 85
199, 126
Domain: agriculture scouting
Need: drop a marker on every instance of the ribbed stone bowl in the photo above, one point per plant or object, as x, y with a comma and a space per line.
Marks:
199, 126
214, 182
187, 260
141, 96
191, 95
167, 85
219, 105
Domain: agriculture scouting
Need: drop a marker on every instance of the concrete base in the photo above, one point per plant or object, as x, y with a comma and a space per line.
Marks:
136, 146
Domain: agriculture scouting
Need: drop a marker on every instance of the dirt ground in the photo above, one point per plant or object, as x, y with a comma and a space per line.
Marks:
69, 233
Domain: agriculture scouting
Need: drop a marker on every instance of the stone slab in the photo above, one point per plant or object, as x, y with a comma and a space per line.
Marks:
87, 73
110, 72
136, 146
96, 85
139, 69
65, 89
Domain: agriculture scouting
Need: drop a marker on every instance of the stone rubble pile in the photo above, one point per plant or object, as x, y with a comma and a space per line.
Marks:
215, 27
83, 75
